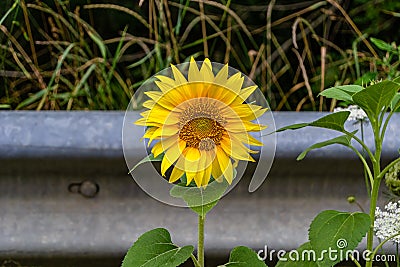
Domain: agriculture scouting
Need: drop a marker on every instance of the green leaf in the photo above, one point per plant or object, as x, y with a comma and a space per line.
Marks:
292, 127
100, 43
376, 98
395, 101
337, 94
341, 140
59, 65
31, 99
244, 257
333, 121
344, 92
201, 200
155, 248
382, 45
304, 256
149, 158
335, 230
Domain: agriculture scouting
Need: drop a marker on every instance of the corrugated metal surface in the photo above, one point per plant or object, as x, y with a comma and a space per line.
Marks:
44, 156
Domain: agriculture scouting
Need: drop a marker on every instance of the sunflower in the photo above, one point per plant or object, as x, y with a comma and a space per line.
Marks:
201, 123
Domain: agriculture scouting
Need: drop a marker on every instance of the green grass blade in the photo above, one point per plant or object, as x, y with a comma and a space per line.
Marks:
9, 11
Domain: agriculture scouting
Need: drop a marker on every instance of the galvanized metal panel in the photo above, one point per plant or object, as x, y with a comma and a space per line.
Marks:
49, 223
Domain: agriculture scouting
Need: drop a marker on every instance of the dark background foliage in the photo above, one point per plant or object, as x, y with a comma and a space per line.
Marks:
86, 54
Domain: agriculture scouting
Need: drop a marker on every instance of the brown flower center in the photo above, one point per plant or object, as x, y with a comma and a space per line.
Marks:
201, 124
202, 133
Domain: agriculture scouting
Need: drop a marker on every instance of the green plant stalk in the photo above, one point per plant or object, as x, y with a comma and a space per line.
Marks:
382, 243
367, 176
369, 179
375, 189
195, 262
355, 261
200, 246
387, 168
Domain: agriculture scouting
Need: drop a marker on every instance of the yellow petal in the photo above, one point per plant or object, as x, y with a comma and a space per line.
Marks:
164, 87
235, 83
225, 165
172, 98
166, 81
171, 141
244, 110
207, 175
202, 166
149, 104
165, 164
255, 114
206, 71
216, 170
145, 122
248, 139
163, 101
194, 73
241, 126
236, 149
192, 157
198, 178
164, 132
175, 175
154, 95
189, 90
228, 174
206, 163
164, 116
215, 91
179, 78
192, 154
172, 155
169, 130
228, 96
149, 135
149, 132
223, 159
173, 148
157, 149
222, 76
245, 93
189, 177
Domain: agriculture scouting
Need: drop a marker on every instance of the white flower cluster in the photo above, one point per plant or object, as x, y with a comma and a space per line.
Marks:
387, 222
356, 113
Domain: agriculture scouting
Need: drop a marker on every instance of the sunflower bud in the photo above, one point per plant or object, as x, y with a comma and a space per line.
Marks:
392, 179
351, 199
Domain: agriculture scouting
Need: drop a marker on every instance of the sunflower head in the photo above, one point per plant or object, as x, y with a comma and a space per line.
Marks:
200, 123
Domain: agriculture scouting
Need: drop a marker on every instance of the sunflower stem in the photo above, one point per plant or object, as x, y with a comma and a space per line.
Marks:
200, 246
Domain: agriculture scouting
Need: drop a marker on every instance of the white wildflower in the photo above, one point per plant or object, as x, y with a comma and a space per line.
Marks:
373, 82
387, 222
356, 113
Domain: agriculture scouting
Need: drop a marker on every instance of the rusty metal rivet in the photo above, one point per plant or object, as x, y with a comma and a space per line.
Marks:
86, 188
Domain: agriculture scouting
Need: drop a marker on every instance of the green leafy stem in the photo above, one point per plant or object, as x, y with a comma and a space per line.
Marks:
379, 101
